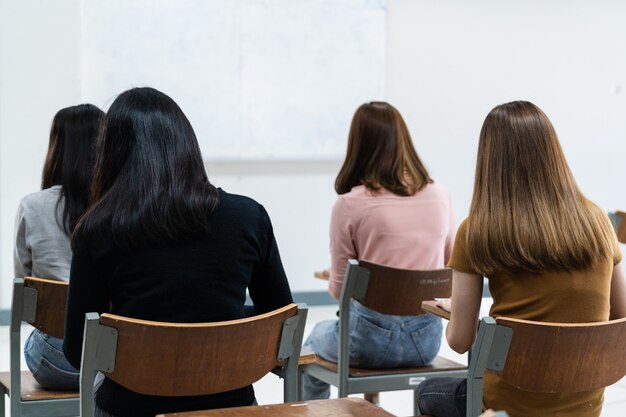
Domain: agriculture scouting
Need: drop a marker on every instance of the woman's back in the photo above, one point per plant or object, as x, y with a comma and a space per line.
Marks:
201, 279
409, 232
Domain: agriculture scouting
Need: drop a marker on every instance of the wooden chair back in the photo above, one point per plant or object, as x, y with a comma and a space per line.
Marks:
175, 359
51, 300
401, 291
565, 358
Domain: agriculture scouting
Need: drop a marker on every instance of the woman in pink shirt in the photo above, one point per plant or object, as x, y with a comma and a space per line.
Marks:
390, 212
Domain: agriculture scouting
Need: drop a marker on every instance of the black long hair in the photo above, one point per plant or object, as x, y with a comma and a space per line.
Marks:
150, 186
70, 158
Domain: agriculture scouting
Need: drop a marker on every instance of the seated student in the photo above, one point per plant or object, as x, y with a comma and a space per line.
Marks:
550, 255
389, 212
45, 220
160, 242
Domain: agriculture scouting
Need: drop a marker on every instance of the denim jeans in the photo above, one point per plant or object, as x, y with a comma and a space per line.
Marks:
45, 359
376, 341
443, 397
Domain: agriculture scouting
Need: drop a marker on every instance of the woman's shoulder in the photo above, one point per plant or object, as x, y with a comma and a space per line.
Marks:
41, 200
38, 197
356, 192
435, 189
594, 208
239, 205
361, 194
356, 197
432, 192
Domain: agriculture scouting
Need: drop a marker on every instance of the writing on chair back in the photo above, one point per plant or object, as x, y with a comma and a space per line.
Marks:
397, 291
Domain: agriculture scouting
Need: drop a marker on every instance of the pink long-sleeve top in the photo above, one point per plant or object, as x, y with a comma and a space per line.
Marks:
414, 232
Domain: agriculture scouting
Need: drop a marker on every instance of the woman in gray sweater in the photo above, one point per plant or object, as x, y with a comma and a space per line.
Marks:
44, 223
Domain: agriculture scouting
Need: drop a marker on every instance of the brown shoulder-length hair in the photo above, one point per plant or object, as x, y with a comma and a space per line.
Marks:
381, 154
527, 213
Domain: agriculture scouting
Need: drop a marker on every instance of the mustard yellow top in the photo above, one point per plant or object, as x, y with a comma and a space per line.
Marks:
562, 297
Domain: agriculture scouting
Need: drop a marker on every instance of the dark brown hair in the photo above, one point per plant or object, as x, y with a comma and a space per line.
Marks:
381, 154
70, 158
527, 213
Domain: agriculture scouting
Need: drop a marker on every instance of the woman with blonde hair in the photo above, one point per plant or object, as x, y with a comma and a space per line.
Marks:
549, 253
390, 212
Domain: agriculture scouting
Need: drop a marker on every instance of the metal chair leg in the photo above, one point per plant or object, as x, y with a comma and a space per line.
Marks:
416, 407
373, 397
2, 394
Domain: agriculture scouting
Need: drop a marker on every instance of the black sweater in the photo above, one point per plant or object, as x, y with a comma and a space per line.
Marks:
202, 279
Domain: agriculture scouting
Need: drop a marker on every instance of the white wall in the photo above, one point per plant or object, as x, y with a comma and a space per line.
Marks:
298, 197
449, 63
38, 76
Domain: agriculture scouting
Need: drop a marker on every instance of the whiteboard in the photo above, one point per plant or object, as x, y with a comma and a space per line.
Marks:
258, 79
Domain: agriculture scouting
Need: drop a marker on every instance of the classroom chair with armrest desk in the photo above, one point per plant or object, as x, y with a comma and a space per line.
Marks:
41, 303
544, 357
388, 291
176, 359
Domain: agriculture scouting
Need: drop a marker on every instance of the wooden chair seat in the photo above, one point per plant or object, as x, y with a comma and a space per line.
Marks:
343, 407
438, 364
32, 391
307, 356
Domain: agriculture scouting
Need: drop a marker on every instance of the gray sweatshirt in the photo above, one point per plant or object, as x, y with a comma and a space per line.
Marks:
42, 249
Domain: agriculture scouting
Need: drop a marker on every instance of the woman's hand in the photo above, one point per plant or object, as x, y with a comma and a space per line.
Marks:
325, 274
445, 303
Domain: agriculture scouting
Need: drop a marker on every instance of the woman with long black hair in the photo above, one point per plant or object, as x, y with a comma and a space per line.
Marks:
44, 223
160, 242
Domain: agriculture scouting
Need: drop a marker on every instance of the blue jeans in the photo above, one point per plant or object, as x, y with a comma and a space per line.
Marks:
443, 397
45, 359
376, 341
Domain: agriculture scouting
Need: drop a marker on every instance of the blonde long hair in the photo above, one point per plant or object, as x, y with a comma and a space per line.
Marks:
527, 213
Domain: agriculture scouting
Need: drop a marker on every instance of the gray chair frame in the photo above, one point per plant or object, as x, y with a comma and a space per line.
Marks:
355, 286
617, 219
100, 346
24, 309
488, 352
